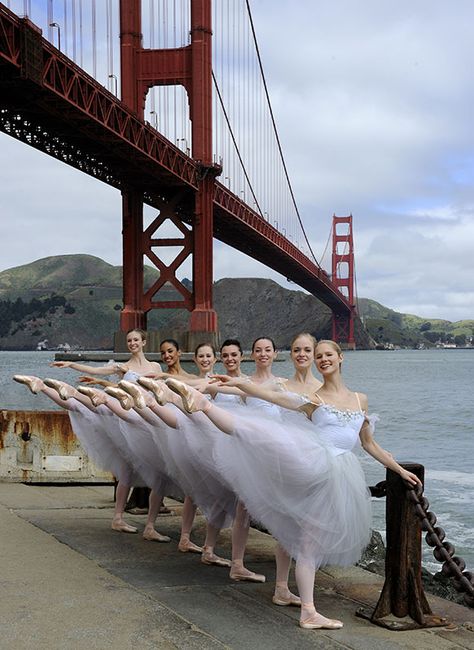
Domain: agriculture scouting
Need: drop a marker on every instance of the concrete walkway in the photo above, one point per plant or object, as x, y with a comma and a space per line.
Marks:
69, 582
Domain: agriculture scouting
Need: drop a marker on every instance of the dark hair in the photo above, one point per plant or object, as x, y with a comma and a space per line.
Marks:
264, 338
205, 345
172, 341
139, 331
232, 342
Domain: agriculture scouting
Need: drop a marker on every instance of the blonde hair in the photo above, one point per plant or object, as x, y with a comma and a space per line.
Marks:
308, 335
333, 344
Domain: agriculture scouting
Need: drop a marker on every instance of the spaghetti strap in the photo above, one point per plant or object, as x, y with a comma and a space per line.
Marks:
358, 401
321, 401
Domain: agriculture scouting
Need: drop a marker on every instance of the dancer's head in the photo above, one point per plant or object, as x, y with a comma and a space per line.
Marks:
329, 357
205, 358
302, 349
264, 351
170, 352
136, 340
231, 356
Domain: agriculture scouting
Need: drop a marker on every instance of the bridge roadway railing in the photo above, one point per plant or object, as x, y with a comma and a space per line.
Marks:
50, 103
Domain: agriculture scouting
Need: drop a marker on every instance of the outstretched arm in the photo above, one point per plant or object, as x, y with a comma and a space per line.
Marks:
81, 367
95, 381
384, 457
283, 398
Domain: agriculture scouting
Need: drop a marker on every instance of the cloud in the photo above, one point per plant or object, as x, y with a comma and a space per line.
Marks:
373, 106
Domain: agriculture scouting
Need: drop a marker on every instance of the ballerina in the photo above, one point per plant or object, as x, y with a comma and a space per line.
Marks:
93, 428
311, 489
137, 365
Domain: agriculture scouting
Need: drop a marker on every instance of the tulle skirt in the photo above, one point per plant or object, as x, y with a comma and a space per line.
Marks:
191, 447
315, 503
99, 433
148, 448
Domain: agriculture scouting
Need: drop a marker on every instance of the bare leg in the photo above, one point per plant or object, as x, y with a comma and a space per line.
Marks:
310, 618
208, 555
187, 519
240, 533
118, 522
283, 595
150, 534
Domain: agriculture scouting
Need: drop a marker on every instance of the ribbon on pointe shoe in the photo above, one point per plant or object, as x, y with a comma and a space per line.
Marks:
134, 392
64, 390
156, 387
95, 396
33, 383
126, 401
192, 399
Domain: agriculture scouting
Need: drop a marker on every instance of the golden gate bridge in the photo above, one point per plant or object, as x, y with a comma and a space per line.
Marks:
167, 101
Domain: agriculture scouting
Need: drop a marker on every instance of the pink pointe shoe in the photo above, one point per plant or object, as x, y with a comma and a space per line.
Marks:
192, 399
134, 392
126, 401
286, 600
158, 388
318, 622
64, 390
97, 397
35, 384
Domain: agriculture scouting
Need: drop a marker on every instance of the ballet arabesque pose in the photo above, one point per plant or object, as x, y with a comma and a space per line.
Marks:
300, 478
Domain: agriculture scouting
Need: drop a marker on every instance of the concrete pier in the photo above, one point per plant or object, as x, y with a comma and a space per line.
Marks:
70, 582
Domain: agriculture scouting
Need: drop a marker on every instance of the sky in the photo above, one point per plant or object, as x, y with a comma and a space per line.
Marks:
373, 102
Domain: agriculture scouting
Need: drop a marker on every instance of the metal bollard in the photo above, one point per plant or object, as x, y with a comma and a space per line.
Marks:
402, 604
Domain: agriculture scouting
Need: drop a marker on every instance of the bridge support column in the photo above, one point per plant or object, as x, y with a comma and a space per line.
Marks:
132, 314
343, 278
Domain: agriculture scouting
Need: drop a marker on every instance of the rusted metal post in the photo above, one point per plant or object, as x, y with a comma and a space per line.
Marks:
402, 604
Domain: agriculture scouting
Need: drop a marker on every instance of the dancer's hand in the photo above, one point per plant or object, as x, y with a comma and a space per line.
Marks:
225, 380
410, 477
93, 381
61, 364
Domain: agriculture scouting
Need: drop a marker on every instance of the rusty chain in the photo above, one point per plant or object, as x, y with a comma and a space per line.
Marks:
453, 566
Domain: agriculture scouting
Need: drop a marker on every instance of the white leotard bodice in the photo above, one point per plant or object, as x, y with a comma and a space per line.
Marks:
338, 428
131, 375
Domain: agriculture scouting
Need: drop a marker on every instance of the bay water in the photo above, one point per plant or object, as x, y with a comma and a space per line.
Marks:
425, 402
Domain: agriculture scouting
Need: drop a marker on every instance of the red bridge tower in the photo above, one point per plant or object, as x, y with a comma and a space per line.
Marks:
343, 278
191, 67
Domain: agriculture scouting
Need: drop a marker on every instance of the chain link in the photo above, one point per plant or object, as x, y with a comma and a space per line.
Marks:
443, 551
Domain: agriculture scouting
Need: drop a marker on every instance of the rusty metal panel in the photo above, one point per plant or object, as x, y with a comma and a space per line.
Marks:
40, 446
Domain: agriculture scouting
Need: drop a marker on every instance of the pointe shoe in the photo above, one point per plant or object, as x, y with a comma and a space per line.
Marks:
123, 527
152, 535
292, 599
187, 546
97, 397
156, 387
64, 390
244, 575
126, 402
35, 384
209, 557
319, 622
191, 398
134, 392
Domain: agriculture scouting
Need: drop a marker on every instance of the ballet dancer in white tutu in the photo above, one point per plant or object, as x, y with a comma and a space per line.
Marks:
300, 477
99, 432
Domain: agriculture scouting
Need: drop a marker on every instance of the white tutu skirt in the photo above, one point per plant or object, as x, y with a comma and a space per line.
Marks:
191, 447
99, 433
149, 454
315, 503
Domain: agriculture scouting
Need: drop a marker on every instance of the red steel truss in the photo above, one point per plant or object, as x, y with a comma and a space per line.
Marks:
50, 103
343, 278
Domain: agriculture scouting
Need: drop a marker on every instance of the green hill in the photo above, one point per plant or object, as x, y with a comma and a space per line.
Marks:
76, 299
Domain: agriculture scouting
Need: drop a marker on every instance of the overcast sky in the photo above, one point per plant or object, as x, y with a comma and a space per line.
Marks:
374, 105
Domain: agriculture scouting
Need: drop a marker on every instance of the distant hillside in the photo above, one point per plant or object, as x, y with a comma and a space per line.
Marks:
406, 330
76, 299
